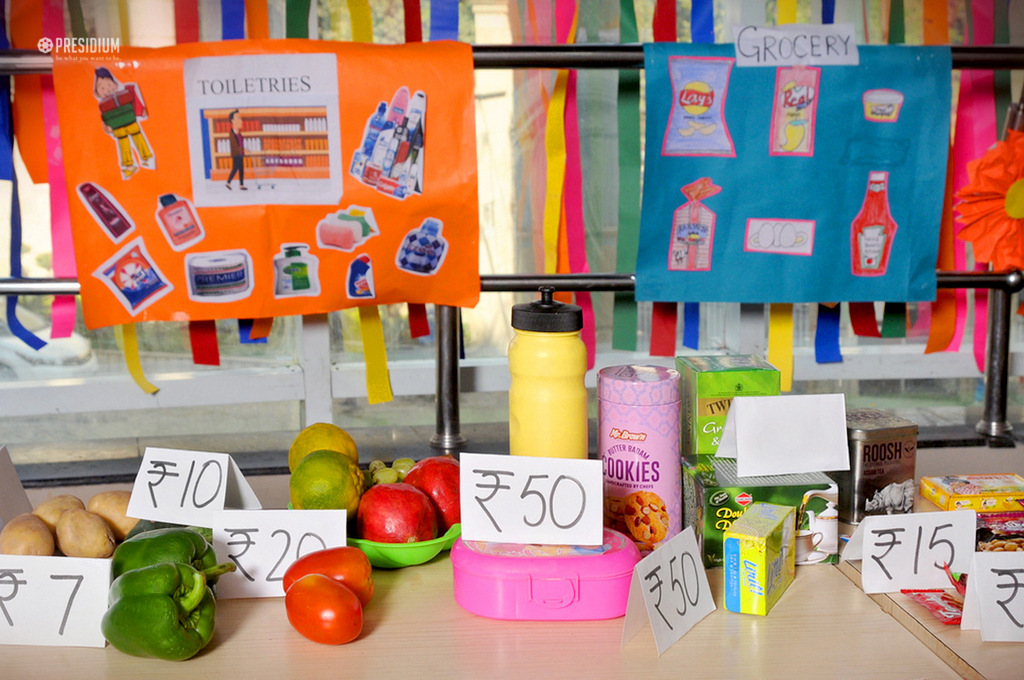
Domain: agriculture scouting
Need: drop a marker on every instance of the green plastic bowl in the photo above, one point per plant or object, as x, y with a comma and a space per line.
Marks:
395, 555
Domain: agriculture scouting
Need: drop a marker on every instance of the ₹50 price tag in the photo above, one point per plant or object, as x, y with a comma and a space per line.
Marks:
670, 589
523, 499
53, 601
994, 602
910, 551
185, 486
264, 543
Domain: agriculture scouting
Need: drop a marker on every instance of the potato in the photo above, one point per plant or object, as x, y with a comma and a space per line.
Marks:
52, 508
113, 506
81, 533
26, 534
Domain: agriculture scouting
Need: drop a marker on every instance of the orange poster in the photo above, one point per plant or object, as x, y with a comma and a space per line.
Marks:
258, 178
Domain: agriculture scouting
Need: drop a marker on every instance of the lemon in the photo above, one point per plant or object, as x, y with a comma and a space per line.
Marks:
326, 480
320, 436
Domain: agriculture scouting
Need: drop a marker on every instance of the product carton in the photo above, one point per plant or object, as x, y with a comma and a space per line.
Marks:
759, 558
981, 493
709, 383
714, 497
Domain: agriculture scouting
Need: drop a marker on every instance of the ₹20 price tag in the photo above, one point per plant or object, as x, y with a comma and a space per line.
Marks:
184, 487
994, 602
670, 589
53, 601
263, 544
525, 499
910, 551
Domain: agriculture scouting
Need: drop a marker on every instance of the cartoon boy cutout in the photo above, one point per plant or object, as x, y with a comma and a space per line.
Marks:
121, 108
237, 151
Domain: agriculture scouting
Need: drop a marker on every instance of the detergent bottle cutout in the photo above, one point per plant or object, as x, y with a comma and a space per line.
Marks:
423, 249
547, 399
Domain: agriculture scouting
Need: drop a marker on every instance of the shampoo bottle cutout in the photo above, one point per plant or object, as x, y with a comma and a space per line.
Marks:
177, 219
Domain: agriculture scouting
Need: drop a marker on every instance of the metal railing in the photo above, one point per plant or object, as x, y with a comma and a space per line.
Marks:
448, 434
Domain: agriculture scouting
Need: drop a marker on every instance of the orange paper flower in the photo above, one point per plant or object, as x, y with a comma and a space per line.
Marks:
992, 204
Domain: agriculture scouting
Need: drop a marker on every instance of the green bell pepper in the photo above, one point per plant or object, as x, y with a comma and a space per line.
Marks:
174, 544
163, 610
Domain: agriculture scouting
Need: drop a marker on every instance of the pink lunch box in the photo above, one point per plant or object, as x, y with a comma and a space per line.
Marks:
544, 582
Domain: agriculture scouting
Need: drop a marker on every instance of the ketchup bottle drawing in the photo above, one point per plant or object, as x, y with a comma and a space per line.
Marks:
873, 230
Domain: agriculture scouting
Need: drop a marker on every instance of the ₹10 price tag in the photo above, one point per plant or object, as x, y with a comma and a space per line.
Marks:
185, 486
53, 601
911, 551
525, 499
670, 589
994, 602
263, 544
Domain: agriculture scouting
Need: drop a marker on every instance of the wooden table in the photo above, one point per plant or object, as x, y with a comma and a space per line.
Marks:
823, 627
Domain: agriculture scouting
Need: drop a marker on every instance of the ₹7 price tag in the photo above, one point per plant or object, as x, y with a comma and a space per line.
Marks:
910, 551
264, 543
523, 499
670, 589
185, 486
994, 602
53, 601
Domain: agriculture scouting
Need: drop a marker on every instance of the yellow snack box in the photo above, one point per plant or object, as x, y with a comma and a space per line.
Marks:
981, 493
760, 558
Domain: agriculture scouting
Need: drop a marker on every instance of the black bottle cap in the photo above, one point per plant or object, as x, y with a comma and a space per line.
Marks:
547, 315
168, 199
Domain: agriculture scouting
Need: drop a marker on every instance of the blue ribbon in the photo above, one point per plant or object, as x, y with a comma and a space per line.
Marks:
245, 333
232, 19
691, 324
702, 21
828, 11
826, 337
7, 173
444, 20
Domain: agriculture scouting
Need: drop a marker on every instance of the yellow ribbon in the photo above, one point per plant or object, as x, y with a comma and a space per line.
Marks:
554, 143
780, 342
362, 20
378, 378
786, 11
128, 341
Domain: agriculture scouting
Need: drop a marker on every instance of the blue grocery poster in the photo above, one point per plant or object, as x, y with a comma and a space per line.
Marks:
793, 183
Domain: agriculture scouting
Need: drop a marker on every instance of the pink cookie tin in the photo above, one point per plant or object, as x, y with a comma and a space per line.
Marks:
544, 582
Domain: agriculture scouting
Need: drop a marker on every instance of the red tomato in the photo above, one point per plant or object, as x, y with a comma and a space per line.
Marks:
345, 564
324, 610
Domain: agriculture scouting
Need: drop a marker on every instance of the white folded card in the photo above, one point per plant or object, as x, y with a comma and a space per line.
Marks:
786, 434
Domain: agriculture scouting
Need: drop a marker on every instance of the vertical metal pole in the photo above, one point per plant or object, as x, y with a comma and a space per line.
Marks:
993, 422
446, 334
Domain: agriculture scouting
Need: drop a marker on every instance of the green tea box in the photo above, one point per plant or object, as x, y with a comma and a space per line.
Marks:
708, 385
714, 497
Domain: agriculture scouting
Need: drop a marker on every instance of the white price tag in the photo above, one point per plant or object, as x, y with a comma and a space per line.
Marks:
264, 543
53, 601
910, 551
523, 499
185, 486
994, 602
670, 589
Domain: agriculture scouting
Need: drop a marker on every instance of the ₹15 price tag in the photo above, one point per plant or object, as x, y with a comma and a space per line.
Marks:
910, 551
264, 543
53, 601
670, 589
185, 486
525, 499
994, 602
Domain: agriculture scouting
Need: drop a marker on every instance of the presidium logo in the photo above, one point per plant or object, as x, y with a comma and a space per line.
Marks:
79, 48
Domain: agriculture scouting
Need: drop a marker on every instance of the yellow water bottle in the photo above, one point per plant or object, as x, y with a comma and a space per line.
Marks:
547, 400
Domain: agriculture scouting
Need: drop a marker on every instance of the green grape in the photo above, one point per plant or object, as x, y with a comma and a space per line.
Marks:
385, 476
376, 464
402, 466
